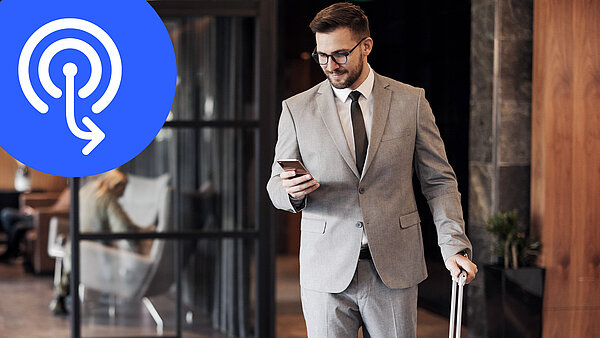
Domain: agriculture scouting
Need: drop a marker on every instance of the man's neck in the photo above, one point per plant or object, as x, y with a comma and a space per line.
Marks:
362, 77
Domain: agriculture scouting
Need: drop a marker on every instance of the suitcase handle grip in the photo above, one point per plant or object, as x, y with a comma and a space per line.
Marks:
456, 304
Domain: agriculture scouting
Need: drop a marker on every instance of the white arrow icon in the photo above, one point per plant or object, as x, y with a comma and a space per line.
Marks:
95, 135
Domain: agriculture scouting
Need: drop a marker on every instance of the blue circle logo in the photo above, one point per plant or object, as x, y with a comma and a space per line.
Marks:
85, 86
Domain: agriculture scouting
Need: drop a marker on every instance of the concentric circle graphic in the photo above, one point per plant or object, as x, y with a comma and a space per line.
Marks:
85, 86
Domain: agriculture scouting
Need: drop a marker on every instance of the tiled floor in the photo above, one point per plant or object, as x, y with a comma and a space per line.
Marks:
24, 310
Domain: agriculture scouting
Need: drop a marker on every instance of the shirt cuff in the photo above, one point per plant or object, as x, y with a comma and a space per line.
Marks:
298, 204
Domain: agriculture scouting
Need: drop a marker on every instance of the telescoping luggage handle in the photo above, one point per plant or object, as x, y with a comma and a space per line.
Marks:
456, 309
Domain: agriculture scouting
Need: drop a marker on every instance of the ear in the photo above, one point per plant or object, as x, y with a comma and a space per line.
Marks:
367, 46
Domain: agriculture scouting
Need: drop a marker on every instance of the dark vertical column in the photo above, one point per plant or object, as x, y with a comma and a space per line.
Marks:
178, 257
500, 129
266, 66
481, 154
74, 234
514, 107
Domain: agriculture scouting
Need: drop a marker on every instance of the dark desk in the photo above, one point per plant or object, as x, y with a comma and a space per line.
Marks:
8, 199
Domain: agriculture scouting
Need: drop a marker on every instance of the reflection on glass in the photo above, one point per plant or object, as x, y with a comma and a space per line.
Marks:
216, 176
218, 285
126, 293
124, 202
215, 67
211, 173
217, 185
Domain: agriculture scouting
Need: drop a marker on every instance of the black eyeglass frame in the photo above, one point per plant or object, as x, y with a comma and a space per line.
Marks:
333, 56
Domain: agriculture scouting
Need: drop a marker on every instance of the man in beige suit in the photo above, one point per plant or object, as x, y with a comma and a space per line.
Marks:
361, 136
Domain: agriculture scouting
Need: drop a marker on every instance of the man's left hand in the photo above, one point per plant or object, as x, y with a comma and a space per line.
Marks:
457, 262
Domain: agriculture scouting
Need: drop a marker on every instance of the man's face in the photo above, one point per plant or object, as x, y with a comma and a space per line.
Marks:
342, 40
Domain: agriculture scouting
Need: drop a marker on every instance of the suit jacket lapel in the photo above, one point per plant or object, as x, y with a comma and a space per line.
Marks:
328, 110
382, 97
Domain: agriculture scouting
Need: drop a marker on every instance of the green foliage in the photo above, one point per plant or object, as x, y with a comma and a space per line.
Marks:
503, 224
512, 245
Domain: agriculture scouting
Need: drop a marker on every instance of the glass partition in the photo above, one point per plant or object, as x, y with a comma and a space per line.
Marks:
215, 68
216, 170
132, 293
199, 257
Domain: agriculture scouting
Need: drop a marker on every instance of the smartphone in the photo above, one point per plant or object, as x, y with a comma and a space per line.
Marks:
292, 164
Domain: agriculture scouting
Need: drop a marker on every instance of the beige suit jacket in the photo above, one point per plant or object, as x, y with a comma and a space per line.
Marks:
404, 139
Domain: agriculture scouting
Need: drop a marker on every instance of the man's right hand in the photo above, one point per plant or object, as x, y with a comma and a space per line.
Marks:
298, 187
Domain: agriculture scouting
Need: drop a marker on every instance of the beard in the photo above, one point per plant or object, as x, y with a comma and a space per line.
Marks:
351, 75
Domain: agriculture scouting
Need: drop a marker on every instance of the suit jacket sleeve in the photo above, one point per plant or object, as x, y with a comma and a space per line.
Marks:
286, 147
438, 183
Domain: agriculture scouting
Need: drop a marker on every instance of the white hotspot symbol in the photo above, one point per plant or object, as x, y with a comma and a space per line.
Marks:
95, 135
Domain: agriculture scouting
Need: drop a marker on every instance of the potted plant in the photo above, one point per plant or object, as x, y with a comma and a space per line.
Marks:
514, 247
513, 286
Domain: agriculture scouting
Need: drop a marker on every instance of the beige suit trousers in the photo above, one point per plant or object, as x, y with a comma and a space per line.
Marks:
367, 302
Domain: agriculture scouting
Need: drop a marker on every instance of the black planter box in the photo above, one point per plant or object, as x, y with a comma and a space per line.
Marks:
514, 301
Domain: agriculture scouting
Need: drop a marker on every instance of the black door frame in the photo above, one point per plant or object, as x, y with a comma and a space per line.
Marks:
265, 14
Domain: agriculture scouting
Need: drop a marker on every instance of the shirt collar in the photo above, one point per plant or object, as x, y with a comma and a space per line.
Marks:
365, 88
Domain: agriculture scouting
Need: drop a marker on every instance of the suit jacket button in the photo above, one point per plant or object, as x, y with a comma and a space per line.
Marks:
359, 224
361, 190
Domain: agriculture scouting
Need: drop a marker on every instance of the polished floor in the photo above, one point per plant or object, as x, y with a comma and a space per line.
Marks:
24, 310
290, 322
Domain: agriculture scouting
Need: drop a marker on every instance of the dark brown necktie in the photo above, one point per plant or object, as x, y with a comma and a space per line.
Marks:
360, 133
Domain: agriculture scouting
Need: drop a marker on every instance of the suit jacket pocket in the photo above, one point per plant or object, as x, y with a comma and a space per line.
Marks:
409, 220
388, 136
313, 225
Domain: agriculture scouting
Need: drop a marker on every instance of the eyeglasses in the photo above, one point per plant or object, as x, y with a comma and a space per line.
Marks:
338, 57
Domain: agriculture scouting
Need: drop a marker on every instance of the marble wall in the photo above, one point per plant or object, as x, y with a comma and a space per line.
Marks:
500, 129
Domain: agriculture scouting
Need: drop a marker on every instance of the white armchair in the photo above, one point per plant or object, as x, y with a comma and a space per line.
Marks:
127, 274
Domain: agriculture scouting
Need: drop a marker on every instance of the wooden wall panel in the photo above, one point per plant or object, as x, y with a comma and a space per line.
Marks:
566, 162
571, 323
586, 155
553, 97
39, 180
8, 166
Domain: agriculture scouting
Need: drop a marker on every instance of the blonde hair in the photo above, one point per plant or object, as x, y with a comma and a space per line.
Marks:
107, 182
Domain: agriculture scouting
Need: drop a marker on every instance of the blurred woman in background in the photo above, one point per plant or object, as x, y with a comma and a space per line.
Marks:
99, 211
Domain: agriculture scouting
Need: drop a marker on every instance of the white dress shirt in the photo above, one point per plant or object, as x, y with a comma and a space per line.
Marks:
343, 102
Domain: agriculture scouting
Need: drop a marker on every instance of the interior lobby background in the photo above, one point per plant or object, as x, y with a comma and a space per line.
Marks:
482, 82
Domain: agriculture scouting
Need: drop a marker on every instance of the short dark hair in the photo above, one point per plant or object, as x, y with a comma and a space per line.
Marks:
341, 14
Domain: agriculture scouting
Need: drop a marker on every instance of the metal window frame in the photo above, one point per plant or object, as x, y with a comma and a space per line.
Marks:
265, 12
